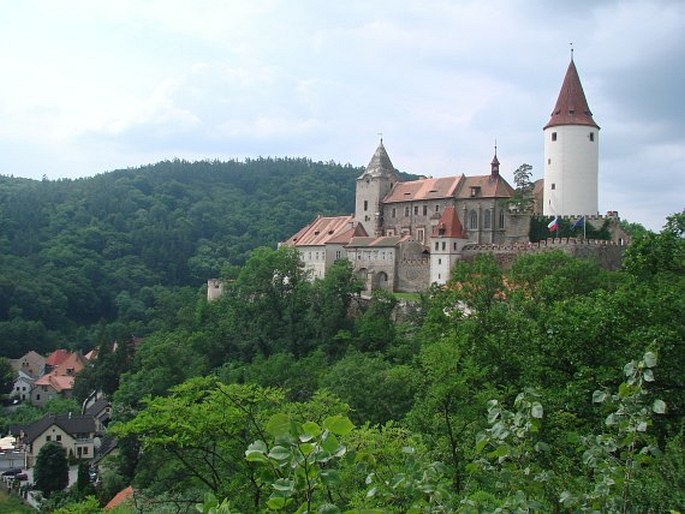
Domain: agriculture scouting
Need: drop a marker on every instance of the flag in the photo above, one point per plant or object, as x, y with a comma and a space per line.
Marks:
554, 224
579, 223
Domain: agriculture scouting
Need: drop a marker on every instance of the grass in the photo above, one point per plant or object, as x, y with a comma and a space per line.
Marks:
13, 505
412, 297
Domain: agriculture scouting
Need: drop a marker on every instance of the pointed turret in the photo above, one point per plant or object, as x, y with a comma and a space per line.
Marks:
571, 153
571, 107
494, 166
380, 164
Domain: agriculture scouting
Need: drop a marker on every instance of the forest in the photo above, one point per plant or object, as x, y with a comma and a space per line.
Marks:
125, 249
554, 386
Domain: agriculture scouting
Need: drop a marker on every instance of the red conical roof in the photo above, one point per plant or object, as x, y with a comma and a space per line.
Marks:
571, 107
449, 225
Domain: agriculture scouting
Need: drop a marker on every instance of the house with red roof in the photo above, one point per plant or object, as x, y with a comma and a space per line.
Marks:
59, 382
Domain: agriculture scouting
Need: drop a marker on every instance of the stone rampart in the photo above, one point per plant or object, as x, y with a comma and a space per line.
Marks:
608, 254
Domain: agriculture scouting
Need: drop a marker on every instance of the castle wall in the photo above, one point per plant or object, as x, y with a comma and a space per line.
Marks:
607, 253
413, 271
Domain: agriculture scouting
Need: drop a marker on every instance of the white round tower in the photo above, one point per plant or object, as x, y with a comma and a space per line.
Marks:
571, 153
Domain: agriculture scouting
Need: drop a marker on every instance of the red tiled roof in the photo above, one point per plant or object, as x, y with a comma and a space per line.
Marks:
449, 225
58, 382
62, 377
321, 231
423, 189
120, 497
57, 357
490, 187
571, 107
345, 237
378, 242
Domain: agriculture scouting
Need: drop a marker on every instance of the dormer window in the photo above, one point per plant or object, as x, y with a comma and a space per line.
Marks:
475, 191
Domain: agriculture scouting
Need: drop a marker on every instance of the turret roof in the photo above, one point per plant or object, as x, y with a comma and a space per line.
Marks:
380, 164
449, 225
571, 107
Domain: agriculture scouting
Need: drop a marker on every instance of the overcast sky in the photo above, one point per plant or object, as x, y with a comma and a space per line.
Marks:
92, 86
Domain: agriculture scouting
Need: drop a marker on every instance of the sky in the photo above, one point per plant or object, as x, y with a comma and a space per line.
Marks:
92, 86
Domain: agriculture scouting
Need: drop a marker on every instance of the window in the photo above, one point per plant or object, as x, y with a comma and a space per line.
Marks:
416, 210
487, 218
501, 219
406, 211
592, 136
425, 210
554, 136
437, 207
473, 220
394, 212
58, 438
420, 235
443, 246
366, 205
549, 161
455, 246
475, 191
48, 438
437, 246
85, 450
553, 186
439, 261
37, 397
338, 254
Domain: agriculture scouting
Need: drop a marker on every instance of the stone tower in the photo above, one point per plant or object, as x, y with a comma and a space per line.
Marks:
571, 153
373, 185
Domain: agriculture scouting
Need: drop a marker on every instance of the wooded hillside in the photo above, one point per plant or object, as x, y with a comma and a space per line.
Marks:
113, 247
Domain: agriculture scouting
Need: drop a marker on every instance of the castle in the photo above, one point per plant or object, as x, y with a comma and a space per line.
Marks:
406, 235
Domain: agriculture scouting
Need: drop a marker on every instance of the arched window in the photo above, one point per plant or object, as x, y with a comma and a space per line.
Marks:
487, 222
473, 220
501, 219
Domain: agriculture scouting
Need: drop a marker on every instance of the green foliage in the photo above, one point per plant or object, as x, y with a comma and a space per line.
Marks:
298, 459
650, 254
13, 505
624, 447
523, 200
89, 505
7, 376
200, 431
375, 327
75, 252
51, 472
376, 390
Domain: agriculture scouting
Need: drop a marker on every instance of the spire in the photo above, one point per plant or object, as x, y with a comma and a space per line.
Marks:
571, 107
494, 164
380, 164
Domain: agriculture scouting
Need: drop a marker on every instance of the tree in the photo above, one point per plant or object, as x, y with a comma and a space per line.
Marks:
650, 254
7, 376
51, 472
522, 200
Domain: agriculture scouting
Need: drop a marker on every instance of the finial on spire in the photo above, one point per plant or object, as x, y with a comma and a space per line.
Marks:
495, 147
571, 45
381, 136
